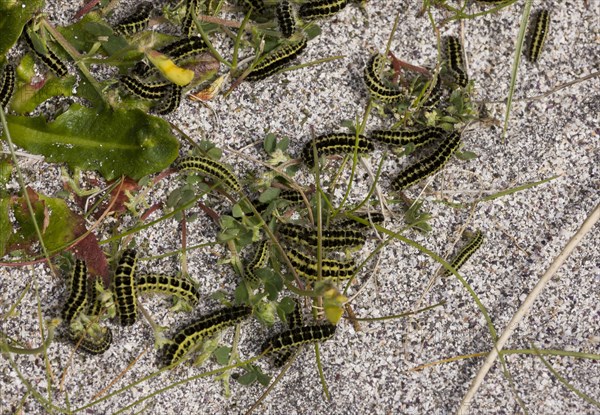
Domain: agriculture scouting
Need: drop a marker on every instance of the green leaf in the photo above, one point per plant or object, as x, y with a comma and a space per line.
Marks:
14, 15
222, 355
28, 97
270, 143
268, 195
466, 155
247, 378
114, 142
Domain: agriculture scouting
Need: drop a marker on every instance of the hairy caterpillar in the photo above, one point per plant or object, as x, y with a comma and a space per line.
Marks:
294, 320
331, 239
321, 8
7, 85
335, 143
183, 48
48, 56
465, 253
96, 344
330, 268
285, 18
146, 91
298, 336
454, 54
137, 21
168, 285
404, 137
172, 100
124, 288
212, 169
429, 165
538, 36
257, 6
376, 218
207, 325
77, 300
276, 60
374, 83
260, 260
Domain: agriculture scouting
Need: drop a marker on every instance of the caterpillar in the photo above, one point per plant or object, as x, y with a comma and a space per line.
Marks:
141, 69
376, 218
294, 320
257, 6
285, 18
183, 48
212, 169
435, 95
96, 344
429, 165
465, 253
146, 91
168, 285
292, 196
538, 37
207, 325
404, 137
260, 260
7, 85
124, 288
77, 300
454, 54
48, 57
331, 239
94, 300
298, 336
374, 83
321, 8
276, 60
336, 143
172, 100
330, 268
137, 21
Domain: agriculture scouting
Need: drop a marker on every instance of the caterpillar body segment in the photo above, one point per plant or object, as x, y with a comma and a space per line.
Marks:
454, 55
336, 143
93, 344
435, 95
295, 318
172, 99
541, 26
77, 300
7, 85
332, 269
318, 9
292, 196
48, 57
376, 218
94, 300
213, 169
465, 253
298, 336
124, 288
275, 60
331, 239
184, 48
285, 18
137, 21
374, 83
404, 137
256, 6
146, 91
260, 260
429, 165
167, 285
207, 325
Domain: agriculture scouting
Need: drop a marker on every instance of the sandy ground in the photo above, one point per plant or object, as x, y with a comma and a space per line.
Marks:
369, 372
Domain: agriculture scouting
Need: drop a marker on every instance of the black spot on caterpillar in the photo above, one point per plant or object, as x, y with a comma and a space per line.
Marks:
376, 218
436, 93
146, 91
336, 143
168, 285
465, 253
192, 9
184, 48
292, 195
276, 59
206, 326
429, 165
172, 99
256, 6
124, 288
213, 169
298, 336
539, 32
333, 269
260, 260
285, 18
137, 21
321, 8
48, 56
331, 239
404, 137
374, 83
77, 300
454, 54
7, 85
141, 69
96, 344
294, 320
94, 300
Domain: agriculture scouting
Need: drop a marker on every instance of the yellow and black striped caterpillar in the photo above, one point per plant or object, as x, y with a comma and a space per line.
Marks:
298, 336
7, 85
429, 165
404, 137
295, 321
124, 288
318, 9
375, 85
260, 260
78, 292
454, 55
96, 343
155, 91
256, 6
331, 239
135, 22
47, 56
275, 60
332, 269
184, 48
285, 18
336, 143
172, 99
376, 218
194, 333
168, 285
465, 253
539, 32
213, 169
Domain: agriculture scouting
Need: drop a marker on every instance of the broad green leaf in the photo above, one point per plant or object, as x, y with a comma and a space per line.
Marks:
114, 142
222, 355
27, 96
14, 14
